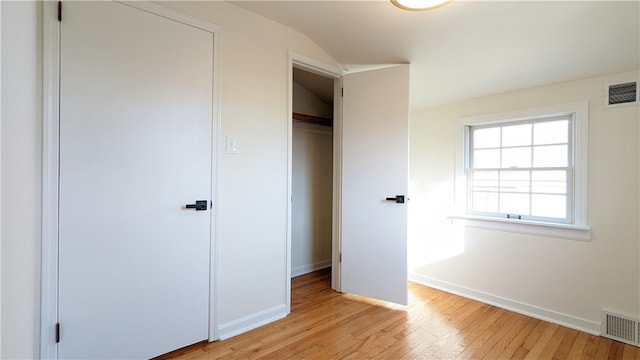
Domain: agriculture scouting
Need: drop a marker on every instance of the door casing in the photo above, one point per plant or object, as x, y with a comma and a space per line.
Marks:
319, 68
50, 168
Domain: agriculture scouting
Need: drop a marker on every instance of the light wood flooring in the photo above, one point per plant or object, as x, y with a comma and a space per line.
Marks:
435, 325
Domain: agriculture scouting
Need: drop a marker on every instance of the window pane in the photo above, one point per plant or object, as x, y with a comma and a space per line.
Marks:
552, 132
514, 181
486, 158
486, 138
516, 135
517, 204
550, 156
522, 167
554, 182
516, 157
485, 181
485, 202
554, 206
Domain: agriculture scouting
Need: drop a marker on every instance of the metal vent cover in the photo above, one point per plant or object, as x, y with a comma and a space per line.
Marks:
623, 93
620, 328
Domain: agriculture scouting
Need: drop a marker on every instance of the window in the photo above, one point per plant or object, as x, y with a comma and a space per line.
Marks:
525, 171
521, 169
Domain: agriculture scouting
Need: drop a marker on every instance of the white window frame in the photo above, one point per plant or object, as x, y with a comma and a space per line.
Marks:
578, 228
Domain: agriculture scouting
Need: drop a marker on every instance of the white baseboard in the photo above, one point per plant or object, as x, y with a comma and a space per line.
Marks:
301, 270
573, 322
252, 321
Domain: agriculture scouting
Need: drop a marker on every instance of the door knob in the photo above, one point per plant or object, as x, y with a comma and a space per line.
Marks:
399, 199
199, 205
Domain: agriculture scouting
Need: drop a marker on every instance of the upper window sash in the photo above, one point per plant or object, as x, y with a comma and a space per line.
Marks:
470, 145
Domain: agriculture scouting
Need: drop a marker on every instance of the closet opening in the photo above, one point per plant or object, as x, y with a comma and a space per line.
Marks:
312, 167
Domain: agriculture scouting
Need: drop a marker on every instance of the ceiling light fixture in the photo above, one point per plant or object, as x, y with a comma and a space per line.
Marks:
419, 5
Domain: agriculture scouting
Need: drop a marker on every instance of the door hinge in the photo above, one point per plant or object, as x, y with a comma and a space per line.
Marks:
342, 92
57, 333
60, 11
340, 257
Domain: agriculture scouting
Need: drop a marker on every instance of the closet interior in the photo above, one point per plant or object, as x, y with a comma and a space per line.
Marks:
312, 172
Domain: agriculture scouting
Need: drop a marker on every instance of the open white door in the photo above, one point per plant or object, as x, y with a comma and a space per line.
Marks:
375, 152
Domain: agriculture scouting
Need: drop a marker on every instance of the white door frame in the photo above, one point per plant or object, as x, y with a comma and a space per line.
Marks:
0, 180
50, 170
319, 68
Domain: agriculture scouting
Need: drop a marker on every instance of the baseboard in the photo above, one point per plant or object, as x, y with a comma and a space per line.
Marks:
588, 326
252, 321
301, 270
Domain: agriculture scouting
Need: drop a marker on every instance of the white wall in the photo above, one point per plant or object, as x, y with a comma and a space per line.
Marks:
21, 179
0, 180
253, 251
304, 102
564, 280
312, 198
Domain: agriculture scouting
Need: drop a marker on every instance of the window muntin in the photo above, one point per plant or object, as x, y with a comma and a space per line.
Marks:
522, 169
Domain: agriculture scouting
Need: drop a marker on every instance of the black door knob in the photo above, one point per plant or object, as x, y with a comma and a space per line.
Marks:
399, 199
199, 205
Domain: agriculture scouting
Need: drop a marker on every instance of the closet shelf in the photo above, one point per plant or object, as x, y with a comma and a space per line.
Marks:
310, 119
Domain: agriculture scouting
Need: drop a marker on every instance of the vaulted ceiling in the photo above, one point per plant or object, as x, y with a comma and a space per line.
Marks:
471, 48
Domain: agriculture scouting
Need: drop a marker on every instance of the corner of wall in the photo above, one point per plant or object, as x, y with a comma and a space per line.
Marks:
1, 42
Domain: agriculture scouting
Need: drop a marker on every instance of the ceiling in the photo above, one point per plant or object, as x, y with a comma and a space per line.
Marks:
471, 48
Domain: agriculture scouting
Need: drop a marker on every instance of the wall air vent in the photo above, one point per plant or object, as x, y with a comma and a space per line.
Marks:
620, 328
623, 93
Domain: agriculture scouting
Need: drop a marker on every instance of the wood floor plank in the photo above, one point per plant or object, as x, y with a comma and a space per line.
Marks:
508, 342
579, 347
452, 343
604, 347
630, 353
562, 352
324, 324
482, 343
551, 346
542, 343
535, 335
591, 347
616, 351
514, 350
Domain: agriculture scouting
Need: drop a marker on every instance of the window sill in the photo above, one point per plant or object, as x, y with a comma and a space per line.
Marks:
562, 231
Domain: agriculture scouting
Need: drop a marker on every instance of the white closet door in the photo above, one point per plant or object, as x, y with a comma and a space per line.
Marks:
135, 147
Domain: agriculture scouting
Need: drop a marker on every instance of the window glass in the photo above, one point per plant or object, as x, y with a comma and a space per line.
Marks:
519, 157
516, 135
486, 138
515, 181
549, 182
485, 181
516, 204
486, 159
550, 156
550, 132
520, 169
485, 202
554, 206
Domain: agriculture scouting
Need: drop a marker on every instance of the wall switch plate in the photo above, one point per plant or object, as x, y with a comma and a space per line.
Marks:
232, 145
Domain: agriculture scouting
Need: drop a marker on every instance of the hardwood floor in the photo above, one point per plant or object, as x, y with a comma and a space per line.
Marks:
435, 325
